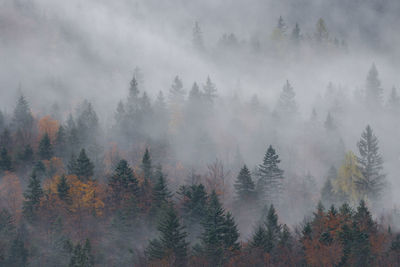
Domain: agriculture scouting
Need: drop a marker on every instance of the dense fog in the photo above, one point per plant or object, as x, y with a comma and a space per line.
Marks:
290, 103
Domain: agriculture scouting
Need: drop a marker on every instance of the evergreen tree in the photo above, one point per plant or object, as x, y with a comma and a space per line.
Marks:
296, 34
198, 42
23, 119
176, 92
171, 243
213, 234
244, 185
273, 229
45, 148
259, 238
231, 233
5, 140
161, 194
394, 101
146, 166
61, 142
373, 90
87, 123
321, 33
82, 256
5, 160
329, 123
123, 183
270, 175
286, 103
370, 162
194, 204
328, 196
18, 254
72, 165
210, 91
32, 195
63, 189
26, 155
84, 167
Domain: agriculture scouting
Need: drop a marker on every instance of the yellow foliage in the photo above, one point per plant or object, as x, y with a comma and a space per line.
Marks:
348, 174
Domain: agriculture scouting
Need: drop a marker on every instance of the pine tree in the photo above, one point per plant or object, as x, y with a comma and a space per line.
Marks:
176, 92
210, 91
45, 148
123, 183
373, 90
161, 194
259, 238
198, 42
273, 229
194, 204
63, 189
33, 196
244, 185
269, 184
82, 256
328, 196
321, 33
370, 161
84, 167
61, 142
5, 160
231, 234
296, 34
286, 105
18, 254
213, 234
146, 166
172, 241
393, 103
22, 119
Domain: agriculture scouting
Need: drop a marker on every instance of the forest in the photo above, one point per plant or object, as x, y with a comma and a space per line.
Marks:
144, 134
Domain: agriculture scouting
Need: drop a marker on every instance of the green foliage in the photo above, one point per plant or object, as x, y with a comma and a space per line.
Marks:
244, 186
33, 196
82, 166
45, 148
63, 190
171, 243
146, 166
123, 183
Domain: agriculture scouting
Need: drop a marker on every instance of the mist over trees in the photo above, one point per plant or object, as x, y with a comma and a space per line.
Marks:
199, 134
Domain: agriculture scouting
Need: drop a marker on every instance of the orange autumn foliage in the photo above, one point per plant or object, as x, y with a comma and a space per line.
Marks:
11, 193
48, 125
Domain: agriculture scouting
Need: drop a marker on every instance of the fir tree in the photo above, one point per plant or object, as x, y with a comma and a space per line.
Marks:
373, 90
213, 234
161, 194
394, 101
6, 140
321, 33
18, 254
5, 160
61, 142
27, 155
231, 233
329, 123
84, 167
259, 238
171, 243
210, 91
82, 256
176, 92
123, 183
328, 196
296, 34
146, 166
63, 189
33, 196
244, 185
198, 42
286, 103
370, 162
45, 148
22, 119
269, 184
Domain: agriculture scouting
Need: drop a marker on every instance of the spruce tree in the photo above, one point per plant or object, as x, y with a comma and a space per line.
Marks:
63, 189
286, 105
371, 165
23, 119
231, 233
172, 240
321, 32
198, 42
146, 166
328, 196
244, 185
6, 140
269, 184
210, 91
33, 196
373, 90
176, 92
259, 238
82, 256
161, 194
296, 34
84, 167
26, 155
45, 148
273, 229
18, 254
123, 183
394, 101
61, 142
213, 233
5, 160
329, 123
